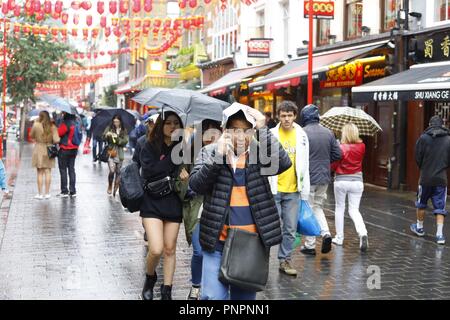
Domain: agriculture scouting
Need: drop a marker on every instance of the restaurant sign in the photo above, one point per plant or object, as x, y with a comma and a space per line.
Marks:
433, 47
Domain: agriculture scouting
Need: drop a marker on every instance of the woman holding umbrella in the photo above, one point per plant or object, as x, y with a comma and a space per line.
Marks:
117, 138
349, 181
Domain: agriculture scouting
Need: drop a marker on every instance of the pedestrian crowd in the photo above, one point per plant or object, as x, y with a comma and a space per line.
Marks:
240, 183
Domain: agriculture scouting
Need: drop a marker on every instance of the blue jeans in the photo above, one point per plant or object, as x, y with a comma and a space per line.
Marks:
197, 257
212, 288
287, 205
3, 185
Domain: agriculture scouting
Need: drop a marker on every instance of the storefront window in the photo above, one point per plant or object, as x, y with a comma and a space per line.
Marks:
442, 10
323, 32
353, 12
391, 8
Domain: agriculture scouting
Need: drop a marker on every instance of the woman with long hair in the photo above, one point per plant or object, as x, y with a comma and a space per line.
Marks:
45, 133
349, 182
116, 138
161, 208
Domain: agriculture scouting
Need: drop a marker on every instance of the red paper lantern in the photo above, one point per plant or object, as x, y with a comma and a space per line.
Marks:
81, 55
54, 31
148, 5
76, 19
17, 11
147, 23
58, 6
17, 28
117, 32
36, 30
37, 6
26, 29
94, 33
102, 53
75, 5
182, 4
113, 6
107, 32
192, 3
64, 32
64, 18
74, 32
100, 7
124, 6
86, 5
137, 23
177, 23
186, 24
95, 55
48, 7
207, 1
157, 23
56, 15
103, 21
11, 5
89, 20
88, 55
126, 22
136, 6
40, 16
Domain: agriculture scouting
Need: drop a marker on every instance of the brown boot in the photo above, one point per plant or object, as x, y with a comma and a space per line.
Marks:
116, 186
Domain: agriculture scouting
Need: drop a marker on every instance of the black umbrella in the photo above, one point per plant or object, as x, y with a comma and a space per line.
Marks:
135, 114
103, 119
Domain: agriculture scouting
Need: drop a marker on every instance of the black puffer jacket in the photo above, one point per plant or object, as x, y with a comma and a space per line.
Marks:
433, 156
212, 178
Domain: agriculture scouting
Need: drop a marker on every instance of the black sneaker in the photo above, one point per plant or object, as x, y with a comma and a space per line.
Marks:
363, 243
311, 252
145, 237
73, 194
326, 243
63, 195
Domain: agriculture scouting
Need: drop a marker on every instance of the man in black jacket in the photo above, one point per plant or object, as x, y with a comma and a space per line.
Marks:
232, 176
433, 159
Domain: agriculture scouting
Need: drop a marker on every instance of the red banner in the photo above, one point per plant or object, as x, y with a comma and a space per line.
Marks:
321, 9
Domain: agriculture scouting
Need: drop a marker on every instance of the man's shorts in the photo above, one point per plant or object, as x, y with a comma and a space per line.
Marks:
438, 197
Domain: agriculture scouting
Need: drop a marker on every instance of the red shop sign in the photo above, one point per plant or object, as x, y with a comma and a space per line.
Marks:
321, 9
258, 48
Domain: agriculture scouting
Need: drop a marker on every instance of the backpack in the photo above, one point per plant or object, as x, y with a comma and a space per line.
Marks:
131, 189
78, 134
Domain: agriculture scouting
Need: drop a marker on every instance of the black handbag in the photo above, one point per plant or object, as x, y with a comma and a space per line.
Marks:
245, 261
160, 188
52, 151
104, 155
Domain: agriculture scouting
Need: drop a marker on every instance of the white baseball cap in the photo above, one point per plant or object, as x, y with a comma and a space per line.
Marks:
235, 108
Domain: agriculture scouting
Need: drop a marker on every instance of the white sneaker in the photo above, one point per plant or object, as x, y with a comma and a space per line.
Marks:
39, 197
47, 196
337, 241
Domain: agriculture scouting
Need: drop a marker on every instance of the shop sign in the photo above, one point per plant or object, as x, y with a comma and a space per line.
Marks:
258, 48
434, 47
348, 75
391, 96
321, 9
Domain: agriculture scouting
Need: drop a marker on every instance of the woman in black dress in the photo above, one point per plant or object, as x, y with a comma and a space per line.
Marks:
161, 215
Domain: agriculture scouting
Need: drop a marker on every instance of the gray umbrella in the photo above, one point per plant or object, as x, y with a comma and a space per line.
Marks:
60, 103
147, 94
190, 105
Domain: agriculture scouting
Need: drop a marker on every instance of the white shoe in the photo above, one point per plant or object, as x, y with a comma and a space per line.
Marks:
47, 196
338, 242
39, 197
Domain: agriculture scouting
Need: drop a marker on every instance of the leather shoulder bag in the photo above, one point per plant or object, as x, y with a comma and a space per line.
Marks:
52, 151
245, 261
160, 188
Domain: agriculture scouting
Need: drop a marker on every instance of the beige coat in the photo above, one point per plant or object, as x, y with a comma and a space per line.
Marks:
40, 157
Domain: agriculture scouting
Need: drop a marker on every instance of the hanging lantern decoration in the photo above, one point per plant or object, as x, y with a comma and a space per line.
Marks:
177, 23
147, 22
54, 32
157, 23
64, 18
75, 32
102, 53
113, 6
117, 32
76, 19
124, 6
64, 32
58, 6
136, 6
115, 21
148, 5
94, 33
81, 55
48, 7
17, 28
224, 4
36, 30
126, 22
37, 6
207, 1
26, 29
192, 3
182, 4
186, 24
137, 22
44, 31
89, 20
103, 21
11, 5
88, 55
56, 15
107, 32
95, 55
86, 5
75, 5
85, 33
40, 16
101, 7
17, 11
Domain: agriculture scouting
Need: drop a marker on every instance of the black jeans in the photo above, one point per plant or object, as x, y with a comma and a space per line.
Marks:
66, 163
96, 142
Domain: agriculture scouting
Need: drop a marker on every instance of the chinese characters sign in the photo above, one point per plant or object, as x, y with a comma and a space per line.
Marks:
434, 47
321, 9
348, 75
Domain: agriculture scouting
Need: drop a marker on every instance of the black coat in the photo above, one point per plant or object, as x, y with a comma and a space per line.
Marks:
433, 156
212, 177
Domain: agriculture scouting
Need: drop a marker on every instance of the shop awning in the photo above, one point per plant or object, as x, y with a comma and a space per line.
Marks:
123, 89
428, 81
291, 73
129, 86
235, 77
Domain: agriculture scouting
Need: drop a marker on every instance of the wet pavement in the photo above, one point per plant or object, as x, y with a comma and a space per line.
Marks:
91, 248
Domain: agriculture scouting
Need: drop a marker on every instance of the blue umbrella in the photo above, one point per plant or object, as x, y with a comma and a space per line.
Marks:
33, 113
60, 103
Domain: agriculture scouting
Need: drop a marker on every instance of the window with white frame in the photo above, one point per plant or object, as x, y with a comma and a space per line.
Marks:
285, 13
442, 10
260, 24
225, 31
